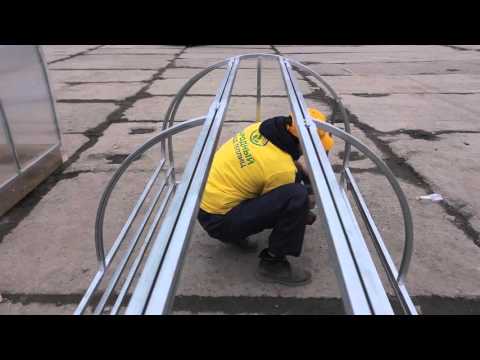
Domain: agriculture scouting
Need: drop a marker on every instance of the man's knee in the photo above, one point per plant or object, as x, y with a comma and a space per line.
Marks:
297, 195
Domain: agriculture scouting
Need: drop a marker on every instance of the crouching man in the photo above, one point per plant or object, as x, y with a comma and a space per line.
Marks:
255, 183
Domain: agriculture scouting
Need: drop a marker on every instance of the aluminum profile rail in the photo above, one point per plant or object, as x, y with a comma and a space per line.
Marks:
106, 261
155, 288
362, 290
360, 284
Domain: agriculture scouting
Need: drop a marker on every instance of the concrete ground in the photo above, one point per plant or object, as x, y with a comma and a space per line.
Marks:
417, 107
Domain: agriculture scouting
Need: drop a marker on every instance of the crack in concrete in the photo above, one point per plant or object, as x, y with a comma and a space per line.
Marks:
163, 54
425, 135
89, 101
369, 95
428, 304
458, 48
406, 93
85, 52
76, 83
102, 69
213, 95
399, 165
26, 205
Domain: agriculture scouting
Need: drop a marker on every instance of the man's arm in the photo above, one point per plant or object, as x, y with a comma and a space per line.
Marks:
302, 173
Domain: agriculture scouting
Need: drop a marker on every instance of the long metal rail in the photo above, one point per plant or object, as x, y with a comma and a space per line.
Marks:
361, 287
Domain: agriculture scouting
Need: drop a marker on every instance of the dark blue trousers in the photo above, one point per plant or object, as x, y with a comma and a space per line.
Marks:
283, 210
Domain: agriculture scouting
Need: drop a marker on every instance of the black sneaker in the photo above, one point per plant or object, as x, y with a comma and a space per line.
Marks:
280, 271
310, 218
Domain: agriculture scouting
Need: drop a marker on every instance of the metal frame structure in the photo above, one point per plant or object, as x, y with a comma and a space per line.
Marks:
359, 281
29, 175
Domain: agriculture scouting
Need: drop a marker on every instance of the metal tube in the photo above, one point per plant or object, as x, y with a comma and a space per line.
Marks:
353, 295
176, 101
126, 163
163, 291
259, 89
407, 216
133, 243
369, 280
144, 288
106, 196
126, 227
346, 120
133, 270
387, 262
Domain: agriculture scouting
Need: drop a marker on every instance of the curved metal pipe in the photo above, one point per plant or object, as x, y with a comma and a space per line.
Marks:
407, 216
337, 99
99, 246
175, 103
346, 120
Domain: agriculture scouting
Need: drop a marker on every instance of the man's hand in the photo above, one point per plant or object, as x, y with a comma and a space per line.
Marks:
302, 172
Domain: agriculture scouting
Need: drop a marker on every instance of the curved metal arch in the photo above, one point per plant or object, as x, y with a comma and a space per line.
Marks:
175, 103
407, 216
104, 262
346, 119
167, 133
345, 135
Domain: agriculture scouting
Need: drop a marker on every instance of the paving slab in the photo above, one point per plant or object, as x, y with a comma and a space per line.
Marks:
119, 140
452, 269
106, 91
57, 52
406, 56
468, 47
323, 69
78, 76
227, 51
429, 112
53, 251
240, 108
203, 63
79, 118
154, 62
142, 47
451, 83
231, 46
214, 269
13, 308
459, 186
155, 108
313, 49
245, 84
221, 54
410, 68
137, 51
376, 84
71, 143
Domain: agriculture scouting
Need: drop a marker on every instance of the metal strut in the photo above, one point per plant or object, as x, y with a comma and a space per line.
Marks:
175, 204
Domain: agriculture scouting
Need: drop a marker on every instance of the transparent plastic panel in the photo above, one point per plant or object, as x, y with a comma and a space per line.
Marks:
25, 96
8, 167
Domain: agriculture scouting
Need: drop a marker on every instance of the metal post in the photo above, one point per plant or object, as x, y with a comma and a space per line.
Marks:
259, 88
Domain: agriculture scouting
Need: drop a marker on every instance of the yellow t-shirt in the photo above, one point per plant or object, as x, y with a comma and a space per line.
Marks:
245, 167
